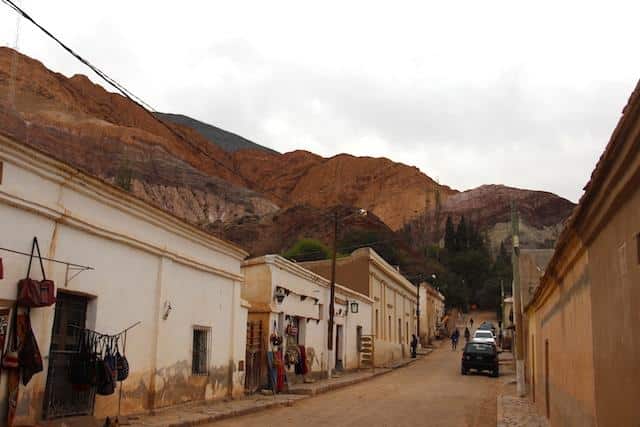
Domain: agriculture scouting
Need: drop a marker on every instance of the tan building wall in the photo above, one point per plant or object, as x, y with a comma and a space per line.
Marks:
393, 317
614, 267
586, 307
560, 349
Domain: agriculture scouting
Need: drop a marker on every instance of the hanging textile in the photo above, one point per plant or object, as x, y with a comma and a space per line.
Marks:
13, 381
279, 363
29, 358
302, 367
4, 329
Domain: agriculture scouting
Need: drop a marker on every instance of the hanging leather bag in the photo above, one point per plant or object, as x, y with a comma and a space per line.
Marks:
122, 364
36, 293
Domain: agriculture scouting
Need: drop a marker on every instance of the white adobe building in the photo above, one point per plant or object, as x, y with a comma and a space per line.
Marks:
181, 284
291, 303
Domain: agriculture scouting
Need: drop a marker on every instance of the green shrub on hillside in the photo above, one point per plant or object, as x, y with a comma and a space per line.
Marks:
307, 250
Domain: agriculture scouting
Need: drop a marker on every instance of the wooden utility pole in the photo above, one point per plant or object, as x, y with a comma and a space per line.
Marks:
517, 302
418, 310
333, 279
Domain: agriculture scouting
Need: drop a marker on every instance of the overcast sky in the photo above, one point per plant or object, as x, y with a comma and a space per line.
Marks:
518, 93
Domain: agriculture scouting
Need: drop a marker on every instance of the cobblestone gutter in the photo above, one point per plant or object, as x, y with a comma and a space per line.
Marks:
516, 411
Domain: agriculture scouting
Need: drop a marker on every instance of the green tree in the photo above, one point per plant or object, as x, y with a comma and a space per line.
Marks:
449, 236
124, 176
307, 250
385, 247
462, 235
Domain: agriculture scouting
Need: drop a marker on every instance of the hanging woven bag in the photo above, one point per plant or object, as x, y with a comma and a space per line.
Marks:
122, 364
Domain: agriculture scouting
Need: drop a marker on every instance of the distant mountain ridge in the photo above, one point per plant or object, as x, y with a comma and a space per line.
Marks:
228, 141
246, 192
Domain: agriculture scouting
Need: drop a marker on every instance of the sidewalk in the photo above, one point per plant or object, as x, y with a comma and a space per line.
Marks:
202, 413
514, 411
323, 386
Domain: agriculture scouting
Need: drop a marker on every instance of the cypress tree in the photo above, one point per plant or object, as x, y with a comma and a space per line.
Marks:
462, 235
449, 236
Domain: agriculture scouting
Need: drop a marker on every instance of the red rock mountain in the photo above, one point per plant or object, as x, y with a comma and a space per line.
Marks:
179, 169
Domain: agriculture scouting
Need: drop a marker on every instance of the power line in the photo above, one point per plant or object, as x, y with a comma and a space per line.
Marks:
133, 98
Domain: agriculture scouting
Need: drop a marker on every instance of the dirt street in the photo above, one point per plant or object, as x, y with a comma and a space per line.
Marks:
430, 392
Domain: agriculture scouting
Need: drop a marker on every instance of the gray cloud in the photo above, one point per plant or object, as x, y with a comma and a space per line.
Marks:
496, 95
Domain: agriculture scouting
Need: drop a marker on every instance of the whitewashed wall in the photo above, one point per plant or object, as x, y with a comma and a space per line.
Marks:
266, 273
351, 321
142, 258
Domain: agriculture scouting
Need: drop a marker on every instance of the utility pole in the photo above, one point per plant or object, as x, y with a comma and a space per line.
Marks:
517, 303
333, 279
418, 311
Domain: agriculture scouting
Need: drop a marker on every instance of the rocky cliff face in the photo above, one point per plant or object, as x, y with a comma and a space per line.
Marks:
255, 197
396, 193
488, 207
108, 136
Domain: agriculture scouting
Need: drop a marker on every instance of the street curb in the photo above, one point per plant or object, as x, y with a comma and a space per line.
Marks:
331, 387
289, 402
237, 413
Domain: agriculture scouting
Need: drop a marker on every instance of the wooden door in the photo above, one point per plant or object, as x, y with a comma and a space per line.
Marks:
254, 356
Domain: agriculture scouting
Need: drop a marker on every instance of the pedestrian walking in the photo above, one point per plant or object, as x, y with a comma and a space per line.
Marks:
467, 335
414, 346
471, 322
454, 339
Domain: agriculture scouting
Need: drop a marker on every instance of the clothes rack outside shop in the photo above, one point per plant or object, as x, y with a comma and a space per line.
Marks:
70, 266
124, 351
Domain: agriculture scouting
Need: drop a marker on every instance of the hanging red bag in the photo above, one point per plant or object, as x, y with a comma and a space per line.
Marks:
36, 293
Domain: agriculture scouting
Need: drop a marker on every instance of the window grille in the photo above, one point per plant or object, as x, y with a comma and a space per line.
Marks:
200, 355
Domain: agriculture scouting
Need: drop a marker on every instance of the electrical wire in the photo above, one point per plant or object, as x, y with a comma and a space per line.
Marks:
135, 99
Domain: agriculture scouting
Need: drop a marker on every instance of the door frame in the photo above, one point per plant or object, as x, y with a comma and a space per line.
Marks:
339, 362
59, 359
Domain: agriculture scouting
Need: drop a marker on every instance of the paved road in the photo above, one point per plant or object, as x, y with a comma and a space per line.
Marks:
430, 392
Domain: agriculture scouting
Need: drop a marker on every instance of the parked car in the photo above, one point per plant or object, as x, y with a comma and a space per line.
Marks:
488, 326
480, 356
484, 336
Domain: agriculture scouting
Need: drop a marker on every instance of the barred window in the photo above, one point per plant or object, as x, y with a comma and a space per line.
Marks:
200, 352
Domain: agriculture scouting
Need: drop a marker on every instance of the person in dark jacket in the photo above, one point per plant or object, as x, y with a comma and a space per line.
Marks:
454, 339
414, 346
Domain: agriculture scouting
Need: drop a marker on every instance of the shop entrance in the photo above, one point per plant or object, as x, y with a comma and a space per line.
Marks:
254, 356
61, 398
339, 364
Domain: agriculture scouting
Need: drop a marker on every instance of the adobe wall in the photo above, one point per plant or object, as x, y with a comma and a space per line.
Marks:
564, 324
614, 266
